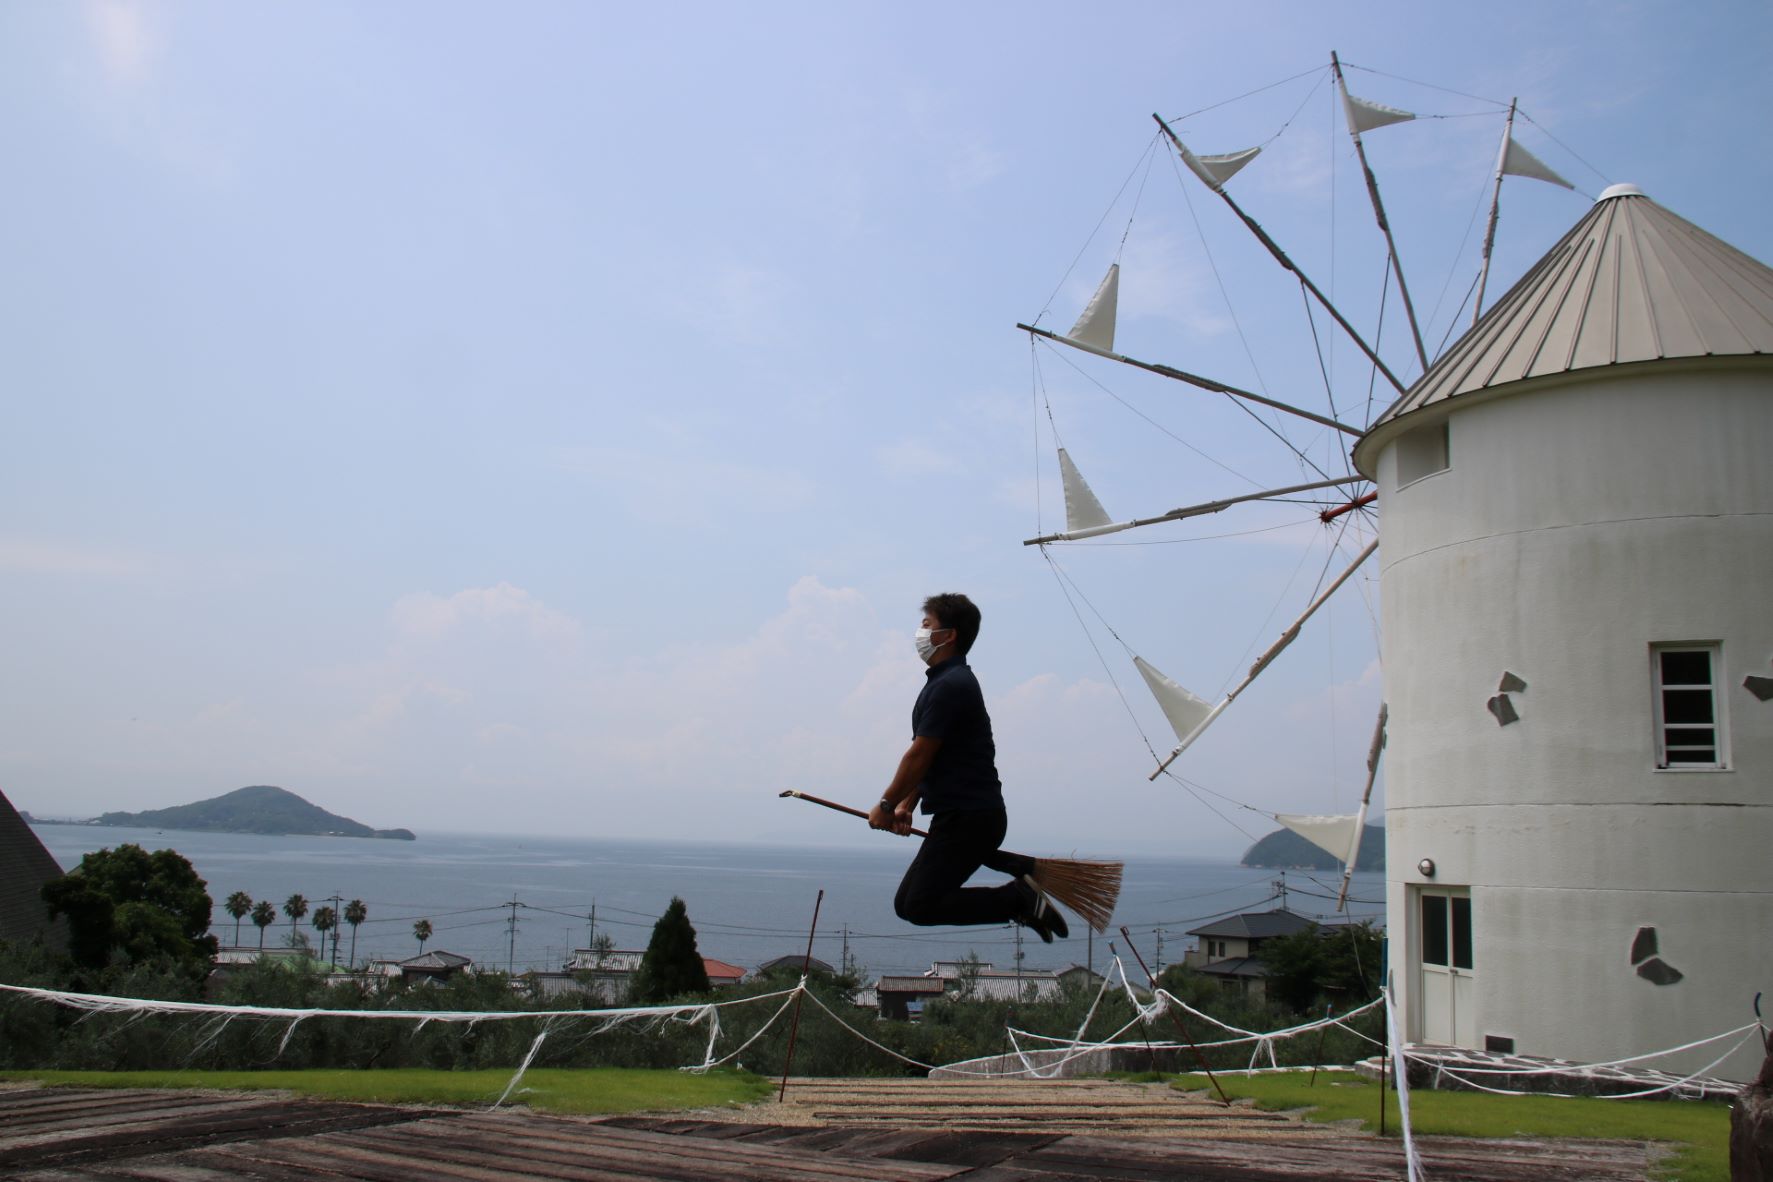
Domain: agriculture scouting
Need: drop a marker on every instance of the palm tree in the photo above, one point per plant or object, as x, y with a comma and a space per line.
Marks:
295, 907
325, 920
355, 913
238, 905
263, 916
422, 930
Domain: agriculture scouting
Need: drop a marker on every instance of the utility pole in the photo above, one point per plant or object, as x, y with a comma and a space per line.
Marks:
1159, 933
1280, 888
593, 944
511, 951
338, 921
1018, 962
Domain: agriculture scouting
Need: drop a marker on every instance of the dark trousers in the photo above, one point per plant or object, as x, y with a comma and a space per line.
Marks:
959, 843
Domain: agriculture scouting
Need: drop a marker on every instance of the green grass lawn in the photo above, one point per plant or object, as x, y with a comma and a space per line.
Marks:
1699, 1132
590, 1091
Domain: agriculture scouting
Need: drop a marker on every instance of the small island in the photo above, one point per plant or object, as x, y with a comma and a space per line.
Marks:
1285, 850
261, 808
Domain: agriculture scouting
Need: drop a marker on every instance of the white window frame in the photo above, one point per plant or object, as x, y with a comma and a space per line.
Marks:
1714, 651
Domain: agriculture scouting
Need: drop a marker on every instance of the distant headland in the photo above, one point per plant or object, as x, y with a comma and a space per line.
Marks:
1285, 850
261, 808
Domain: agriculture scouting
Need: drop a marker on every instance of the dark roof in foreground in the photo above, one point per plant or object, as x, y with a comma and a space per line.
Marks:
1254, 925
25, 865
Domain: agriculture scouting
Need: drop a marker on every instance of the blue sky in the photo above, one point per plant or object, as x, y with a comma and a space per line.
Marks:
548, 419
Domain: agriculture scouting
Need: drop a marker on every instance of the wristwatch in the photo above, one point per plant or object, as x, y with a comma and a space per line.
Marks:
885, 804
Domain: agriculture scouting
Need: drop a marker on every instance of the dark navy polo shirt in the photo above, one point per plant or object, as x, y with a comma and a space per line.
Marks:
951, 708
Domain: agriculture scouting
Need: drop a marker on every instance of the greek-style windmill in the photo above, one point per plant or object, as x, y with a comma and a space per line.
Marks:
1577, 525
1575, 543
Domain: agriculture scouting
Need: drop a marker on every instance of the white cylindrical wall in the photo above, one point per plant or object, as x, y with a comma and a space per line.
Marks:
1578, 523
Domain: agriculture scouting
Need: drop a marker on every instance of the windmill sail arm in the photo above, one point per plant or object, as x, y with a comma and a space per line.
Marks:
1267, 658
1371, 115
1182, 375
1366, 798
1200, 510
1280, 256
1191, 737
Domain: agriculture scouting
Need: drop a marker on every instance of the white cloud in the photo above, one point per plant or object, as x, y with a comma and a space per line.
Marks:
121, 35
32, 557
912, 457
680, 486
1164, 276
428, 616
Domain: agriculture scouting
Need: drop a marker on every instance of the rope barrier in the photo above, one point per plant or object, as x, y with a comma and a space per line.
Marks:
1063, 1051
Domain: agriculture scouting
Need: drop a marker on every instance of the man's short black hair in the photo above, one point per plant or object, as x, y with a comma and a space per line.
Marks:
954, 610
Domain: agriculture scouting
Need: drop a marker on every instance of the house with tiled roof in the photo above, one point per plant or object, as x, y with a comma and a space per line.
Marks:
793, 964
433, 966
722, 975
903, 997
1226, 948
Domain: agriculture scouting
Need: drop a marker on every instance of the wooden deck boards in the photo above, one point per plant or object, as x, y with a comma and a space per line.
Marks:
830, 1131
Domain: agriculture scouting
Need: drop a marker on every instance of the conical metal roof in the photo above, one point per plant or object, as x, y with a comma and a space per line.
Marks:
1631, 282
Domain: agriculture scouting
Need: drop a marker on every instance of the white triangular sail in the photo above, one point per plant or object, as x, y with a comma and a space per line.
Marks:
1228, 165
1338, 835
1186, 712
1214, 171
1517, 161
1096, 325
1365, 116
1082, 509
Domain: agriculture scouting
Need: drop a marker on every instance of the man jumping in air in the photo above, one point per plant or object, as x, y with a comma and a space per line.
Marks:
951, 766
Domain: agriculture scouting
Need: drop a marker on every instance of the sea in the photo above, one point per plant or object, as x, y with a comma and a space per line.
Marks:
521, 903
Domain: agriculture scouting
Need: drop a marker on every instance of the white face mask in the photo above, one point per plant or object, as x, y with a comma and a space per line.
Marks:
926, 647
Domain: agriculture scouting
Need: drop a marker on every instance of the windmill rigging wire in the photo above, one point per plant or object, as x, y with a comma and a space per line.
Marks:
1093, 380
1317, 346
1323, 77
1237, 323
1060, 286
1150, 159
1373, 371
1195, 791
1251, 93
1477, 208
1262, 629
1243, 533
1063, 579
1560, 143
1476, 98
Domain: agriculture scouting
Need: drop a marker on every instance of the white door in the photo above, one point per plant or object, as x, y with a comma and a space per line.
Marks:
1443, 936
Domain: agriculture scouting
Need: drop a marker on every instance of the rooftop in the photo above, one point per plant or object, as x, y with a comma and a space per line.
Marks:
1254, 925
1631, 282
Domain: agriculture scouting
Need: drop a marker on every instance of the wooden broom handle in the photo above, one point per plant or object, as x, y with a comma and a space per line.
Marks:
842, 808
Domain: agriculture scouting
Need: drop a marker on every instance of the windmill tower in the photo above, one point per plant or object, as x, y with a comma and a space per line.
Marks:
1577, 585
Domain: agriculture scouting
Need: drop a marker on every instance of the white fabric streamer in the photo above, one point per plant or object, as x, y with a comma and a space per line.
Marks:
522, 1067
1412, 1163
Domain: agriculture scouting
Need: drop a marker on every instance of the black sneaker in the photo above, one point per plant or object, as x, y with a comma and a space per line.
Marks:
1041, 915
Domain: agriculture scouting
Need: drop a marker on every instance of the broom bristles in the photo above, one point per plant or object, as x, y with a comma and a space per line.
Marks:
1089, 888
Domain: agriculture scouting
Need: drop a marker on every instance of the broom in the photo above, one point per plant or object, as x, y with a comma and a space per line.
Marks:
1089, 888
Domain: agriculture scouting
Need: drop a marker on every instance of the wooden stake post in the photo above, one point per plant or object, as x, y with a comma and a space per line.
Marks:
806, 967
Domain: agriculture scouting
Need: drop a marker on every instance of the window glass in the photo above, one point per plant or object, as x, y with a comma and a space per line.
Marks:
1434, 929
1421, 452
1686, 667
1687, 705
1461, 931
